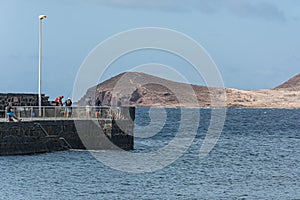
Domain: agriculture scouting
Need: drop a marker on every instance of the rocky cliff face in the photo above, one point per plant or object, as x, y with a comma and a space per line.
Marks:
141, 89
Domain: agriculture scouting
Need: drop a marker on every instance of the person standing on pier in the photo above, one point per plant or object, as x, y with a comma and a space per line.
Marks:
58, 100
68, 108
97, 106
59, 112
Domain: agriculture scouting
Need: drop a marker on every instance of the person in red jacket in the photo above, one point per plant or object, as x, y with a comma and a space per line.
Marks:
58, 100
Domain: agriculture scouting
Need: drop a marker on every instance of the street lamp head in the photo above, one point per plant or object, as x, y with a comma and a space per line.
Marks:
42, 17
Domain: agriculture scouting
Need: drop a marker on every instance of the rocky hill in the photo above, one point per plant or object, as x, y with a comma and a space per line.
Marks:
141, 89
291, 84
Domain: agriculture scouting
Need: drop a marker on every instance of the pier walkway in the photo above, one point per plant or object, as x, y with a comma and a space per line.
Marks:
31, 113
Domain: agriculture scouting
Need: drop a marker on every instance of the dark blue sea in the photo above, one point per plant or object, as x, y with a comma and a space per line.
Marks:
256, 156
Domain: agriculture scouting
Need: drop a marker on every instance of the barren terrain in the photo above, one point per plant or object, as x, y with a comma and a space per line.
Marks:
141, 89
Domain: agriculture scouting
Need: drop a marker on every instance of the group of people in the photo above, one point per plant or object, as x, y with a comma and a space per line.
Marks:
106, 102
67, 104
88, 106
11, 116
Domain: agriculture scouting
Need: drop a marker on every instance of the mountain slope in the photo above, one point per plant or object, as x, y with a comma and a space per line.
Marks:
139, 89
291, 84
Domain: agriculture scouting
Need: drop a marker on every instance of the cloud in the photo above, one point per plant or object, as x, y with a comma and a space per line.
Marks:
240, 8
263, 10
169, 5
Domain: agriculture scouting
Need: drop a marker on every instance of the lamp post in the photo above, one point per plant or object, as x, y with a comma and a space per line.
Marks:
41, 17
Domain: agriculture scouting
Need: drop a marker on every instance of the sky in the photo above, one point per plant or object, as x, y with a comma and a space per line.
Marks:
254, 43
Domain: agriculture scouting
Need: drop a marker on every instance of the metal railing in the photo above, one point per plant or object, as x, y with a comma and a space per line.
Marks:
76, 112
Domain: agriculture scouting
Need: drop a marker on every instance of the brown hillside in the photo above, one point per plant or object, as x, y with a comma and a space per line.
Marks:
141, 89
291, 84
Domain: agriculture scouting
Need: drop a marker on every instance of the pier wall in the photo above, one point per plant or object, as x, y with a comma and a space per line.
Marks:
19, 138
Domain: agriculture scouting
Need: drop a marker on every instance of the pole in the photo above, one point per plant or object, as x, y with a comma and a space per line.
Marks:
41, 17
40, 70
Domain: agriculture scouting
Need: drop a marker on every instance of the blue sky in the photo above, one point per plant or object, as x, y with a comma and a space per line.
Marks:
255, 43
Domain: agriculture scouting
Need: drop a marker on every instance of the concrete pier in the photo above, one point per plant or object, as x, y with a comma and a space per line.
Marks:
19, 138
53, 132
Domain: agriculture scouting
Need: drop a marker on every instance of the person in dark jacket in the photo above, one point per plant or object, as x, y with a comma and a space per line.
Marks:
68, 108
97, 106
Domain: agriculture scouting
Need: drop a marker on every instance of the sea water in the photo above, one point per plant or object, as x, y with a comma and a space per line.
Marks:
257, 156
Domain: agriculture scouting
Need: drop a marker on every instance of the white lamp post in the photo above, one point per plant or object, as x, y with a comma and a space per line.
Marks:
41, 17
